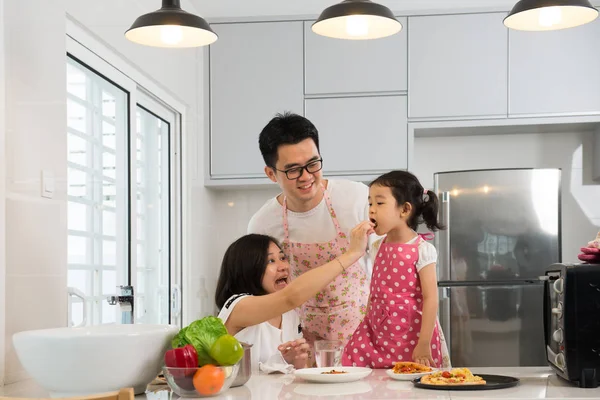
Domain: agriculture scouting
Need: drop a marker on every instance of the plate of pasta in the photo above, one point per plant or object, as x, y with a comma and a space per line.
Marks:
407, 371
464, 379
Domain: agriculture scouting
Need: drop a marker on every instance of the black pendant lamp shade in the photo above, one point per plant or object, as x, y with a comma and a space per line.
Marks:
549, 15
357, 20
171, 27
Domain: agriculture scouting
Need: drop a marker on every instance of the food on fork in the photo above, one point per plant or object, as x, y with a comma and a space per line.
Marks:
457, 376
333, 372
409, 367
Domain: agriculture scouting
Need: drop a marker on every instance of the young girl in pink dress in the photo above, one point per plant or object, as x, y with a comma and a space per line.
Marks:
401, 322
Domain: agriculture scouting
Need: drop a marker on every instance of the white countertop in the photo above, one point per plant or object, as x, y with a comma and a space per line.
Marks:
536, 383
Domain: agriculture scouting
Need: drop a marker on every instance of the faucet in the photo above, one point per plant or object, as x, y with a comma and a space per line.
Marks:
125, 300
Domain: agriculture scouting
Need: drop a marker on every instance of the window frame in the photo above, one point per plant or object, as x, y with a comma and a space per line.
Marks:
93, 54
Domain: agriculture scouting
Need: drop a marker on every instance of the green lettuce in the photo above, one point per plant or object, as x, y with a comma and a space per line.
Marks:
201, 334
179, 340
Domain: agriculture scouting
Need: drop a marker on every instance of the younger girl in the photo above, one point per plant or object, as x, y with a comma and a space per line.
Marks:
257, 298
401, 322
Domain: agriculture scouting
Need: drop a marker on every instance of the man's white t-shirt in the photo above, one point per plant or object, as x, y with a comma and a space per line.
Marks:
265, 338
350, 201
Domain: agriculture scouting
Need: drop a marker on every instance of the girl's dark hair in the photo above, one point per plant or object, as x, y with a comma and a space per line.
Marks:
243, 267
406, 188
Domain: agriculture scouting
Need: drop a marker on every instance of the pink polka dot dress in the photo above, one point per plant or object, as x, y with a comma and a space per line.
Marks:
390, 330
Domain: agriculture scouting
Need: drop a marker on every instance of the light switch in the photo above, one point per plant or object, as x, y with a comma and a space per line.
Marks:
47, 184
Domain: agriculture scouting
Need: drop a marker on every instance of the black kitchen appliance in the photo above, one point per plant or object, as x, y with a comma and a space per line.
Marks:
572, 322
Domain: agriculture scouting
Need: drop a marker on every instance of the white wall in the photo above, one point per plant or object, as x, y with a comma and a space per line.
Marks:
2, 201
36, 248
35, 140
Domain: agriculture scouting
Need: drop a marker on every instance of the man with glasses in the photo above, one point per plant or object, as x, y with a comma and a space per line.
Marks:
312, 219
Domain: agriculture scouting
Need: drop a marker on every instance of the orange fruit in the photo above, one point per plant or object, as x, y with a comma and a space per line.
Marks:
209, 380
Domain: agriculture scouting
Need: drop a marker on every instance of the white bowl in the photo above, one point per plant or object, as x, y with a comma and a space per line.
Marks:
77, 361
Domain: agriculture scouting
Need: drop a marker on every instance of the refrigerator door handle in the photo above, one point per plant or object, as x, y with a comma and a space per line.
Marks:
444, 241
444, 313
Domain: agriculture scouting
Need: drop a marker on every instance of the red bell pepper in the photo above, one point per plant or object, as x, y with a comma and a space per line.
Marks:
182, 357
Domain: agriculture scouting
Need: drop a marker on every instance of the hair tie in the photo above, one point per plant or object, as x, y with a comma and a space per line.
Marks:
425, 191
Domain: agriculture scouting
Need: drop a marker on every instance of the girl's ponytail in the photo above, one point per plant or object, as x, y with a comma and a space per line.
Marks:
429, 211
405, 188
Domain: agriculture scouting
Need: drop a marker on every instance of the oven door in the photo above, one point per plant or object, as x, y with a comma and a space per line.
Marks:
553, 320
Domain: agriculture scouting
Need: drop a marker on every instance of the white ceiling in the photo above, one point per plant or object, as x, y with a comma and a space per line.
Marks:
224, 9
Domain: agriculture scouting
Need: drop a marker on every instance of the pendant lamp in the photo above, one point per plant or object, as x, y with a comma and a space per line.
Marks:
549, 15
171, 27
357, 20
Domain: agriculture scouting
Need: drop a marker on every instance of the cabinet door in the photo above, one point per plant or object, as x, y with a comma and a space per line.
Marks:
457, 66
556, 71
255, 72
360, 135
355, 66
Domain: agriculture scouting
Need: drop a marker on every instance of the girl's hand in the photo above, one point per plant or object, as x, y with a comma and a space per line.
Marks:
295, 352
359, 237
422, 354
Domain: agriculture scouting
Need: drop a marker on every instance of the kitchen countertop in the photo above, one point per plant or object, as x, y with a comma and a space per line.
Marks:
536, 383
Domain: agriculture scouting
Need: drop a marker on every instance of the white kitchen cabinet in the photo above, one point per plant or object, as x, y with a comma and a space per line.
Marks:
555, 72
457, 66
360, 135
255, 72
335, 66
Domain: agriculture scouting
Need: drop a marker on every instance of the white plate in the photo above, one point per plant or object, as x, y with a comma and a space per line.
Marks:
314, 374
407, 377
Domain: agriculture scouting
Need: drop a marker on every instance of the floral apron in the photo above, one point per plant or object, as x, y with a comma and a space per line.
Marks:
336, 311
391, 329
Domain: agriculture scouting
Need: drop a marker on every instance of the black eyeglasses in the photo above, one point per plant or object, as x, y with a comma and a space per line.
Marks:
296, 172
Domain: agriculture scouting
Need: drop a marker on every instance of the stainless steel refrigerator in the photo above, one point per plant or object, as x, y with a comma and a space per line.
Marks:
503, 231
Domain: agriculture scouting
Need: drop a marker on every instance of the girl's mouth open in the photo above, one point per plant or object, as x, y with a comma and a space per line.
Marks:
374, 222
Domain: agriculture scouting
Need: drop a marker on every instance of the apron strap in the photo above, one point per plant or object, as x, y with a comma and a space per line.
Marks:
331, 211
286, 231
426, 236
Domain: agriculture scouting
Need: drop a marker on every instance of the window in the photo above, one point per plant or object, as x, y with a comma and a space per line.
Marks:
152, 215
123, 194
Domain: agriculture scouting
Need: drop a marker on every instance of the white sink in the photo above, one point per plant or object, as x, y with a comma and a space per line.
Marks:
77, 361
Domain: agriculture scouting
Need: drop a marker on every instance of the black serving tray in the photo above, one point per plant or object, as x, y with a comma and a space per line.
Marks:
491, 382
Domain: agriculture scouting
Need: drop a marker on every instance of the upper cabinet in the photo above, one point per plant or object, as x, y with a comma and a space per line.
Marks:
457, 66
361, 94
255, 72
555, 72
360, 135
335, 66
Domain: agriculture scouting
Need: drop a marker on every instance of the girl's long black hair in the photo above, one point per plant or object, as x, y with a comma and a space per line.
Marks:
243, 267
406, 188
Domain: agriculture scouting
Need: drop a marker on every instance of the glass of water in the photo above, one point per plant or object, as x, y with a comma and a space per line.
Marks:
328, 353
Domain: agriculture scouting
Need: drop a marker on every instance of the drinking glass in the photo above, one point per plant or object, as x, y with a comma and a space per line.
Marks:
328, 353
